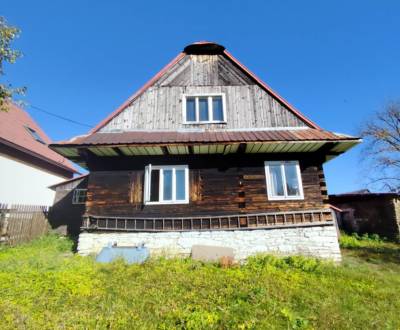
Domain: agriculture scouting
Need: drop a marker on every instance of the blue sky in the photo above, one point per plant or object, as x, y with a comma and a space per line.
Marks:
336, 61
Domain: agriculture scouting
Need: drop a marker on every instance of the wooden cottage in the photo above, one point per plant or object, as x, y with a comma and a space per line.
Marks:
206, 153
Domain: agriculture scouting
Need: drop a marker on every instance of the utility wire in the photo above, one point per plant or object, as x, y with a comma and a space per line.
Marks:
59, 117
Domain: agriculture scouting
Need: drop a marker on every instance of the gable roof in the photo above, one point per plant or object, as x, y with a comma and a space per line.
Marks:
62, 183
203, 47
20, 132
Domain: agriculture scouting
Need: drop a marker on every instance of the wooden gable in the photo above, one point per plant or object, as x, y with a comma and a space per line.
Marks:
249, 103
205, 70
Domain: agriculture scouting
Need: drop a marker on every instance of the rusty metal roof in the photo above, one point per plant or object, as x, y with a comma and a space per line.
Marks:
179, 137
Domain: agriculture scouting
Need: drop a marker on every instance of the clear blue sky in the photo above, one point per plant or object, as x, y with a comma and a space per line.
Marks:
336, 61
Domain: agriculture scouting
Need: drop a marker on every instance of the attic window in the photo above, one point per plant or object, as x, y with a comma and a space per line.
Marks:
204, 109
34, 134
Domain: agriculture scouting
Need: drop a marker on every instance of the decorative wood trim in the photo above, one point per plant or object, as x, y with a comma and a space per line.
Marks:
207, 223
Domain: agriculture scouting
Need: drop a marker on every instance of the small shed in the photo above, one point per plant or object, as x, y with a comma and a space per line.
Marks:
367, 212
65, 215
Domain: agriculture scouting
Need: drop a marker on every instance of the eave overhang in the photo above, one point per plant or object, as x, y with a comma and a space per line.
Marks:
130, 144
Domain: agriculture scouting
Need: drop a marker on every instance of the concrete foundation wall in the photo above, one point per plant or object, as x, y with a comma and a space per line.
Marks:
317, 241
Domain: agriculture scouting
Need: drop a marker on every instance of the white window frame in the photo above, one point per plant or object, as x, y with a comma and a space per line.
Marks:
210, 108
76, 194
267, 165
147, 184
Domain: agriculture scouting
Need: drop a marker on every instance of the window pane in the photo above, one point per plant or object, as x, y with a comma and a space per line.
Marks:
190, 109
203, 108
180, 184
218, 114
276, 180
154, 185
167, 189
292, 181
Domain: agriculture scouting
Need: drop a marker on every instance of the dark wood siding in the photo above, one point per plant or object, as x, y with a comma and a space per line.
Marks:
64, 216
218, 185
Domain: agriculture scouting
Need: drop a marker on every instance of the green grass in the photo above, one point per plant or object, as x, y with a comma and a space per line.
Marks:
44, 286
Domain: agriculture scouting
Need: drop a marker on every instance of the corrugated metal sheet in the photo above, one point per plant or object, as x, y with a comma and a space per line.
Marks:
165, 138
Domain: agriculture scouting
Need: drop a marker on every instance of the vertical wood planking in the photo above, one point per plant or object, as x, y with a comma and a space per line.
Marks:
22, 223
248, 105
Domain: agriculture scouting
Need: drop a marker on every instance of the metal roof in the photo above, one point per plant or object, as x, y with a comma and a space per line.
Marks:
182, 137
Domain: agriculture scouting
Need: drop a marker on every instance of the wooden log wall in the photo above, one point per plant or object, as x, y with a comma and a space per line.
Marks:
218, 185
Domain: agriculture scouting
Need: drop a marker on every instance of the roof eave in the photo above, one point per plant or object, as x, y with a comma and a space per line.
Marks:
36, 155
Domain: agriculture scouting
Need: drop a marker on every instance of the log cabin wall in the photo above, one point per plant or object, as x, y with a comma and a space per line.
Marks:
247, 105
217, 185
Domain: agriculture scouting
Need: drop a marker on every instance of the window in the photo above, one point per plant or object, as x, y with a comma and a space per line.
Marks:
34, 134
166, 184
283, 180
79, 196
199, 109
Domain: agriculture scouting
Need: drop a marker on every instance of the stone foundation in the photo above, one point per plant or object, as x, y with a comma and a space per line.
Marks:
318, 241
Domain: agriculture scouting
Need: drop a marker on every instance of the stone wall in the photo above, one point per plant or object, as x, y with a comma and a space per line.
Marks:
319, 241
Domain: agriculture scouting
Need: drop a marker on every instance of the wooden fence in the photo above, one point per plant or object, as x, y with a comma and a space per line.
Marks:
22, 223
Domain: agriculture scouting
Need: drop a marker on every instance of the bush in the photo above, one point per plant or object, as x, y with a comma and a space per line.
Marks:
366, 240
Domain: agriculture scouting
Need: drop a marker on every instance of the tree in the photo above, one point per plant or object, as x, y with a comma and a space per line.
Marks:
382, 147
7, 55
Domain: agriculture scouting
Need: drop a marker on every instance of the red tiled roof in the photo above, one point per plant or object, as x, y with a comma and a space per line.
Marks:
13, 132
171, 137
221, 50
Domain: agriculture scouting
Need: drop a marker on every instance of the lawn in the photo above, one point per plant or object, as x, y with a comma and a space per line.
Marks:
43, 285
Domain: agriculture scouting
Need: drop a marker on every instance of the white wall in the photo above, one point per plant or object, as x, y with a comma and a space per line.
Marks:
24, 184
316, 241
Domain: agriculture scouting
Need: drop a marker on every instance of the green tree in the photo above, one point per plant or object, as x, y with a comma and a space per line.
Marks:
7, 55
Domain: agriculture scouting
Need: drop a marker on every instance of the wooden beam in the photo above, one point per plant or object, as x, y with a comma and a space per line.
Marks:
242, 148
165, 151
119, 152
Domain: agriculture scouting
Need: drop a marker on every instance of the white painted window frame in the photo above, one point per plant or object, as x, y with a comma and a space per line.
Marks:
77, 194
147, 184
282, 163
210, 108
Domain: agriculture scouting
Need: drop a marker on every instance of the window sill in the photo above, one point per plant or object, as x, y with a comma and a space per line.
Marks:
203, 122
166, 203
300, 198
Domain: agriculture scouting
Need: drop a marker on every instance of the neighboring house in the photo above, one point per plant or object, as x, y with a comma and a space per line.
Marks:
365, 212
206, 153
65, 215
27, 164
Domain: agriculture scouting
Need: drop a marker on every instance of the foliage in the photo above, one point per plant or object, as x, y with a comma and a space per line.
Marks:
7, 54
382, 148
356, 241
371, 248
44, 286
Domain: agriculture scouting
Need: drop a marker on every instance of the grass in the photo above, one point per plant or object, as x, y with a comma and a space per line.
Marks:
44, 286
